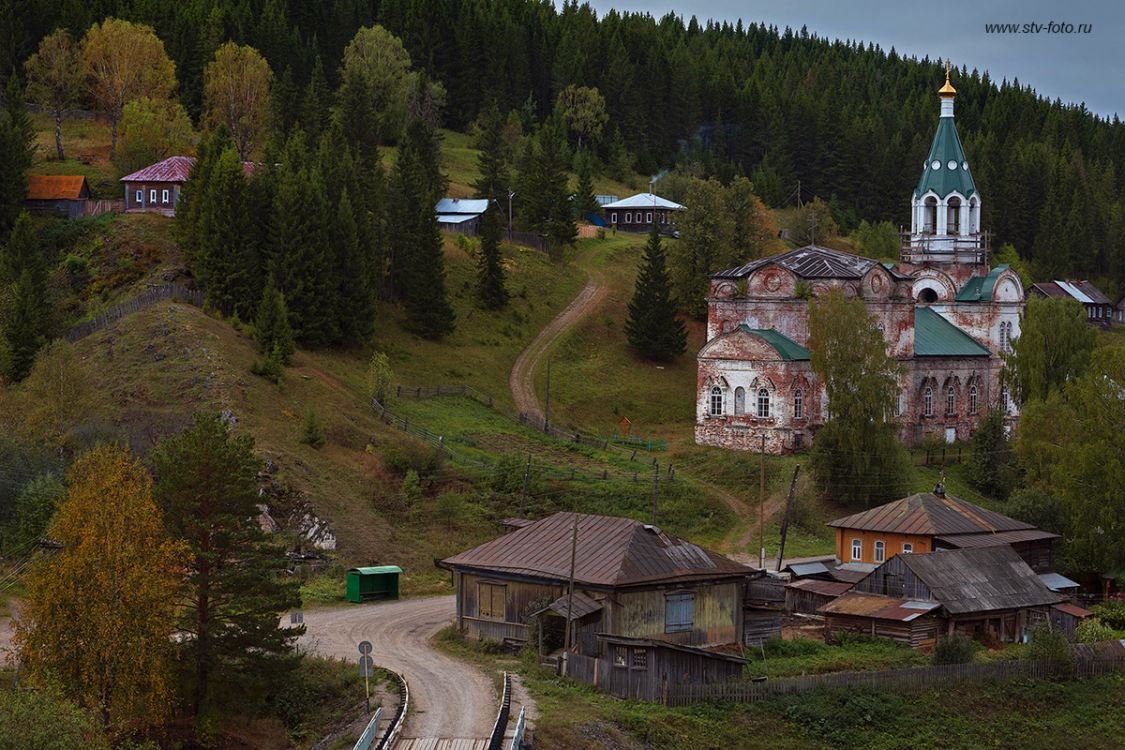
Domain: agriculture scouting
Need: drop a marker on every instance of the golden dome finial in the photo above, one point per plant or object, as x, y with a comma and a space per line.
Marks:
947, 89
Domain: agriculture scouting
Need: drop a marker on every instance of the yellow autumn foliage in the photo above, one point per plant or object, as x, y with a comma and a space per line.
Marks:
98, 618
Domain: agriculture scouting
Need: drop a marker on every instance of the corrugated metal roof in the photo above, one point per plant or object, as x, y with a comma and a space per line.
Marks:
456, 218
809, 262
172, 169
474, 206
1049, 289
1083, 291
602, 200
1073, 610
995, 539
378, 569
1057, 581
611, 552
979, 580
934, 336
808, 569
930, 514
1075, 292
644, 200
50, 187
789, 349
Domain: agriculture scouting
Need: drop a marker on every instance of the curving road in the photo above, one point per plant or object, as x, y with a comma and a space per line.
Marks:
449, 697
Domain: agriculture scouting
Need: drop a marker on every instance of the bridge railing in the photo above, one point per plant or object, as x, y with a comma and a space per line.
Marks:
394, 729
521, 725
496, 739
368, 736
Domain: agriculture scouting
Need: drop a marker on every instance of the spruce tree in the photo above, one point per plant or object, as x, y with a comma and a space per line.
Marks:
356, 299
315, 103
271, 325
584, 202
652, 327
17, 138
207, 489
492, 163
226, 263
24, 326
491, 290
21, 252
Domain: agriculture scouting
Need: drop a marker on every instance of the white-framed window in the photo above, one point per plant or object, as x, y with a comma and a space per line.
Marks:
763, 403
620, 656
613, 218
928, 402
880, 551
163, 196
798, 404
152, 196
648, 217
1004, 398
857, 549
907, 548
950, 401
628, 217
898, 404
716, 401
972, 399
140, 196
739, 401
679, 612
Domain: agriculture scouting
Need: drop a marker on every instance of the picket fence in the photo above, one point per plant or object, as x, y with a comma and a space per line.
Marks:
156, 293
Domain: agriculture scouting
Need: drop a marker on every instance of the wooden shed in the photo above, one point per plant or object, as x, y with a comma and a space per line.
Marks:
65, 195
630, 579
1066, 617
808, 595
643, 668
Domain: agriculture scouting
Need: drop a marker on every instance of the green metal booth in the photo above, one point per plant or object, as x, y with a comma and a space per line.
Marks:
373, 584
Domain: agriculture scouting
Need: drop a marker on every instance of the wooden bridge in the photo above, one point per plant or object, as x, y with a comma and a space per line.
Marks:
504, 736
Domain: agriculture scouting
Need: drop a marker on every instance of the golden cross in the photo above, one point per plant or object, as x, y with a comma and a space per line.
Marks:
948, 65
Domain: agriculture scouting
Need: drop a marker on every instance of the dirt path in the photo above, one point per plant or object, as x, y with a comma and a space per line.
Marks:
449, 697
521, 381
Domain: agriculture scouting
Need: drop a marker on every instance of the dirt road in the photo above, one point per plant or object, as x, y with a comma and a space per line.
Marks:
449, 697
521, 381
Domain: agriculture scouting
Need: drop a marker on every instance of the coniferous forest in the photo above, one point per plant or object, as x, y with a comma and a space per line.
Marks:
850, 122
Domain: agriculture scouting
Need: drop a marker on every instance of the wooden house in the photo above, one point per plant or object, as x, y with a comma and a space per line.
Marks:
639, 212
1099, 310
630, 580
808, 595
156, 188
65, 195
460, 215
930, 521
981, 592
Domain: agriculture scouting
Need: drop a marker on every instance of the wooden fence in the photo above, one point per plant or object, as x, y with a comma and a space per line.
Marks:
155, 293
912, 679
96, 207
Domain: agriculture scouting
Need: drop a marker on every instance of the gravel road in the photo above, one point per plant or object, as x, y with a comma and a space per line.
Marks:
449, 697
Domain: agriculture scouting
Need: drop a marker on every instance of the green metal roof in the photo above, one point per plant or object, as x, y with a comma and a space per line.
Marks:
377, 569
946, 149
934, 336
979, 288
789, 349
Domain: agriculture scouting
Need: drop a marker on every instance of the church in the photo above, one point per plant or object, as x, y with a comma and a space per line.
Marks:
946, 313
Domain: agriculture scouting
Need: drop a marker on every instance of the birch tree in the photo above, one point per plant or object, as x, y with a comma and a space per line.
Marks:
54, 78
236, 91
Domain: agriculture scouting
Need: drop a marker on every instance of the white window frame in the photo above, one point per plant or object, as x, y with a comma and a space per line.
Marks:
152, 195
164, 196
1004, 398
648, 217
739, 401
716, 395
798, 404
628, 217
928, 402
907, 548
857, 550
950, 401
972, 399
899, 404
140, 196
880, 551
613, 218
762, 404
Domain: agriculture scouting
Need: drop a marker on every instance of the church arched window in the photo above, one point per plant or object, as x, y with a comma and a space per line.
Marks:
798, 404
950, 400
972, 399
739, 401
953, 216
928, 402
763, 403
716, 401
929, 216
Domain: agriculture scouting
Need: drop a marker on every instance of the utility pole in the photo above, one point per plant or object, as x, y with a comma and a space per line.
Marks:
785, 518
526, 477
655, 488
547, 402
511, 194
762, 503
570, 593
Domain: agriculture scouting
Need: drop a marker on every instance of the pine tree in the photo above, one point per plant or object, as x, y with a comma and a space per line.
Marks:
491, 291
271, 325
22, 252
17, 138
207, 490
315, 102
226, 263
584, 202
492, 163
652, 326
24, 326
356, 300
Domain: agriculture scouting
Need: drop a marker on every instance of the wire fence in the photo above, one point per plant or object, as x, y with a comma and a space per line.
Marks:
156, 293
913, 679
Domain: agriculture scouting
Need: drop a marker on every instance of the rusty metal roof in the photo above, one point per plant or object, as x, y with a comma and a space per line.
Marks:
1073, 610
51, 187
817, 586
812, 262
994, 539
172, 169
980, 580
929, 514
879, 607
611, 552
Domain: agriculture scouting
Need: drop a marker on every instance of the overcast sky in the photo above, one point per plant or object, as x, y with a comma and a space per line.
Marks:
1073, 67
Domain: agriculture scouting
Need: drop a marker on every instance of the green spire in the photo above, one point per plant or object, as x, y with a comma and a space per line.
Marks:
937, 175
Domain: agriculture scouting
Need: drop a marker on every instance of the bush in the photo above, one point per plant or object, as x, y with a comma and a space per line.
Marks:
270, 368
1048, 643
839, 716
411, 486
1111, 613
405, 455
955, 649
1094, 630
